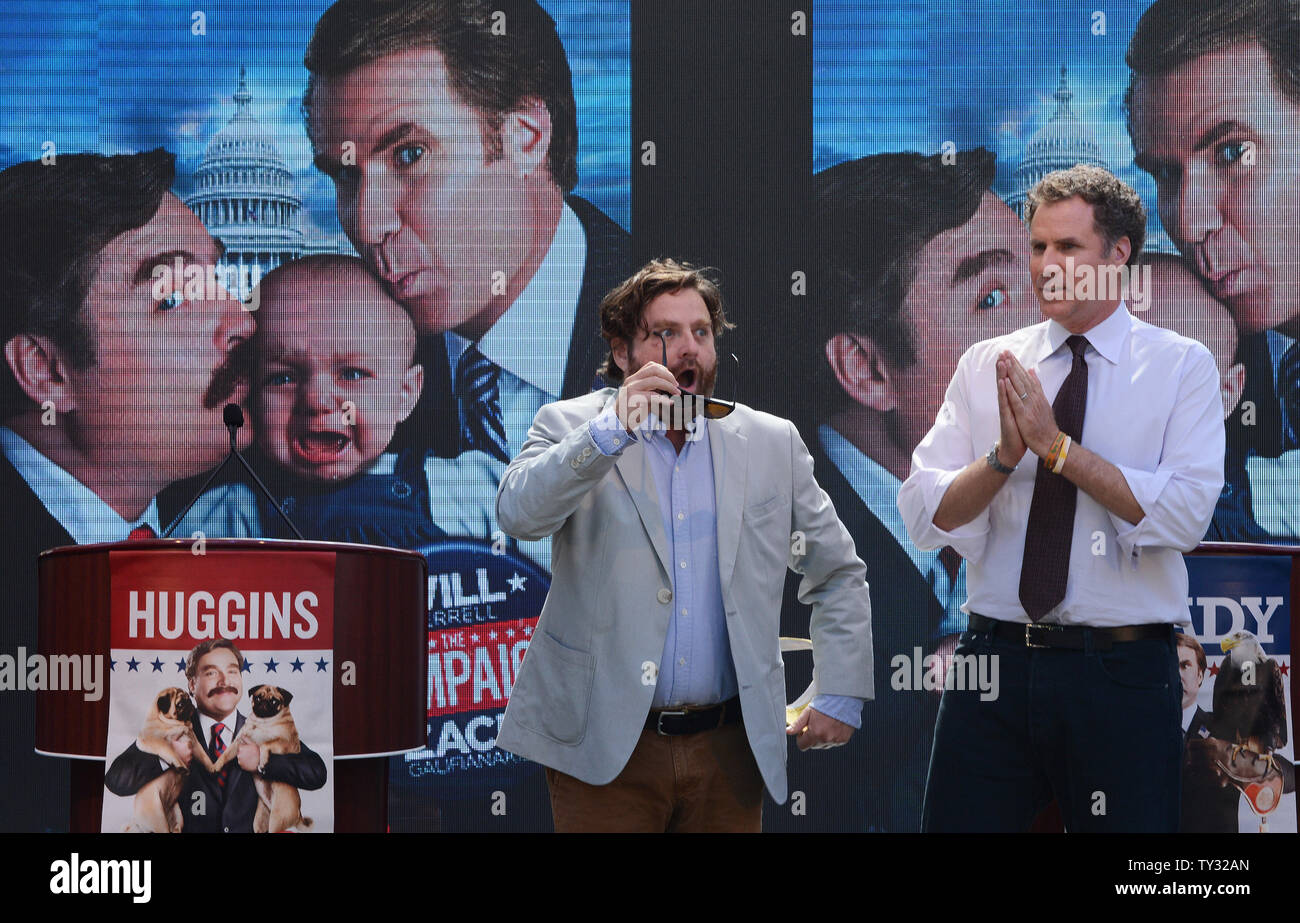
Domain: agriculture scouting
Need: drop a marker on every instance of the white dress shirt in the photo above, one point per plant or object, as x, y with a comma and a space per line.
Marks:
1153, 411
87, 518
530, 344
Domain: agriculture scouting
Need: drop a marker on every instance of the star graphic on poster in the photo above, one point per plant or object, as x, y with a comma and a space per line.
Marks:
516, 583
510, 633
1214, 669
492, 635
474, 638
297, 665
271, 665
134, 665
112, 665
157, 665
247, 667
320, 665
1283, 668
180, 666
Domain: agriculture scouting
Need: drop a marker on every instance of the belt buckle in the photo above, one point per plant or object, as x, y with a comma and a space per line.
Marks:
1029, 626
659, 724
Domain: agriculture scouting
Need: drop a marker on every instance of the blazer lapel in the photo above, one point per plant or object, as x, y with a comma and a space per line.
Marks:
730, 471
640, 483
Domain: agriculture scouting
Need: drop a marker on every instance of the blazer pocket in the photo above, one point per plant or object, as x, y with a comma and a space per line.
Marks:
759, 510
558, 689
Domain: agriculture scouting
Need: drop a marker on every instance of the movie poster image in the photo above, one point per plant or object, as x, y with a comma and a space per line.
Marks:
221, 714
1235, 668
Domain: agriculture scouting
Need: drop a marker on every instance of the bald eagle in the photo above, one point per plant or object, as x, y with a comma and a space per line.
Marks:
1249, 701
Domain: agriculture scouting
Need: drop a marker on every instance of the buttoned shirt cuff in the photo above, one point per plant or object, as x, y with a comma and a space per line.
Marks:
844, 708
1146, 487
608, 432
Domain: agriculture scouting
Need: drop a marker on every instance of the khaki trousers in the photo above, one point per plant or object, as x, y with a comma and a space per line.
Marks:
690, 783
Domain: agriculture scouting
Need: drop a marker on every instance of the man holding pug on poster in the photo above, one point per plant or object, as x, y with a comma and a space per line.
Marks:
228, 798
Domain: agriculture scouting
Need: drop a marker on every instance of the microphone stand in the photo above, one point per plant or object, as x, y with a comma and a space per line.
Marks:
234, 453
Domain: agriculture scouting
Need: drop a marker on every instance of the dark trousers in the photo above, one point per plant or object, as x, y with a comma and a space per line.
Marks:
1098, 730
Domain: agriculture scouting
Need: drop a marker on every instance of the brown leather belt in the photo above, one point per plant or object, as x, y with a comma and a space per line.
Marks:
1067, 637
690, 720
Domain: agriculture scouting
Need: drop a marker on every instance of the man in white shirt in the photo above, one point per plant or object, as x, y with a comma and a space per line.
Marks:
1072, 512
915, 260
112, 388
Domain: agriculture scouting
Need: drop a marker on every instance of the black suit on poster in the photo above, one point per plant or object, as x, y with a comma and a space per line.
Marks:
433, 423
227, 809
37, 786
876, 781
1207, 806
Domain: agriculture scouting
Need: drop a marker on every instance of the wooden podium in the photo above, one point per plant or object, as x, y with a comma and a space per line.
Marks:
380, 626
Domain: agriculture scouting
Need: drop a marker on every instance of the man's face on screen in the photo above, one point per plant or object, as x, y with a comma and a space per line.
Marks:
1190, 675
1223, 145
218, 682
971, 283
439, 218
165, 366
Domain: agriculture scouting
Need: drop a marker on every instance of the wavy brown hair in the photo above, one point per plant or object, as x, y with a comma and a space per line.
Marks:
622, 312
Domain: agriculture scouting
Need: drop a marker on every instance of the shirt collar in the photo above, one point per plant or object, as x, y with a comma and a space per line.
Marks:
206, 724
878, 489
527, 339
1107, 338
87, 518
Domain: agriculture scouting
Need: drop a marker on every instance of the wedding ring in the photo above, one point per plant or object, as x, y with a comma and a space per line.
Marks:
1025, 395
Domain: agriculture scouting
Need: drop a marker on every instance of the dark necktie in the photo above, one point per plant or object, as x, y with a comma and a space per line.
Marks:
480, 405
1046, 563
218, 748
1288, 393
141, 532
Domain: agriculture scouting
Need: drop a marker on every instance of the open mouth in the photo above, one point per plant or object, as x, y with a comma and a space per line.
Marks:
316, 448
686, 379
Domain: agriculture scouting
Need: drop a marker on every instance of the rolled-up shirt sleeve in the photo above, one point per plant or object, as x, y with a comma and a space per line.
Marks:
1178, 498
936, 462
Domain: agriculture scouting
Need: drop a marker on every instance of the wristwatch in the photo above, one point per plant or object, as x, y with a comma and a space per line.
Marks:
992, 459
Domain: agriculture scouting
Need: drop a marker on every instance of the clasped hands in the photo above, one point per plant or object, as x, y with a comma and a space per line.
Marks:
1025, 413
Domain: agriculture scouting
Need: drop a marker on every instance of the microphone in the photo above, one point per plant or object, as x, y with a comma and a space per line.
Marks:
233, 416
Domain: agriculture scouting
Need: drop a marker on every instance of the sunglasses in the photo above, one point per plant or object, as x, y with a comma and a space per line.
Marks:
712, 408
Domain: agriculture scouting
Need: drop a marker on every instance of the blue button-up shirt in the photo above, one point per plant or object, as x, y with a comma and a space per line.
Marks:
696, 666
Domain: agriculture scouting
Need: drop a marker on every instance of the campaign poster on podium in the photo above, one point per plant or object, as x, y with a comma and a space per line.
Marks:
1235, 668
221, 692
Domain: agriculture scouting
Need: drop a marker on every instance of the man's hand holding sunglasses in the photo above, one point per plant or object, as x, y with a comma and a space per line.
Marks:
650, 389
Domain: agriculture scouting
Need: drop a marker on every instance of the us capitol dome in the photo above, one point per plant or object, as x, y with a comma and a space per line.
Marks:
244, 195
1060, 144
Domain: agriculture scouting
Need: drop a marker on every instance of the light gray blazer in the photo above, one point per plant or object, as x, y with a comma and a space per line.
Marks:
586, 683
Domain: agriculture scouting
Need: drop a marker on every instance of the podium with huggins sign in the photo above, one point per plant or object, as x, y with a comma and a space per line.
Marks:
252, 685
